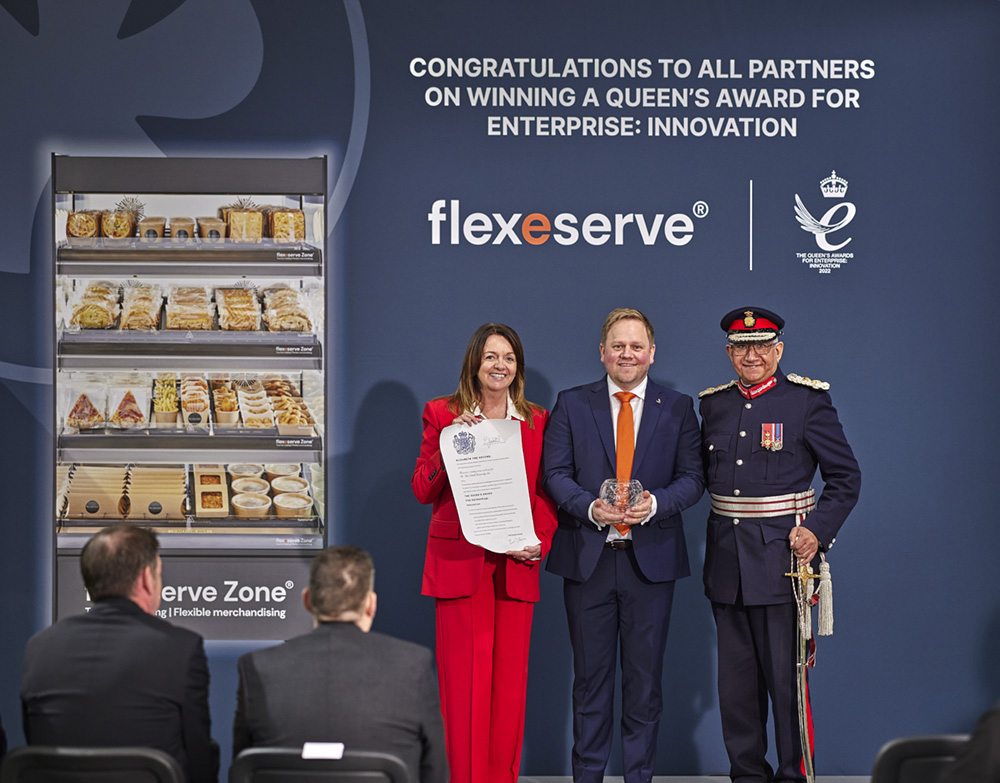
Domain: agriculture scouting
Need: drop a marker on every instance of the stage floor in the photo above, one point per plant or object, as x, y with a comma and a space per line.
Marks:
689, 779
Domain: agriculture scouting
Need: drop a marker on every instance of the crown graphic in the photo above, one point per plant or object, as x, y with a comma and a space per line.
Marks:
833, 186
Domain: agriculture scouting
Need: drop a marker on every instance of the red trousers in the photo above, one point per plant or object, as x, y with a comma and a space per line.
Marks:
482, 657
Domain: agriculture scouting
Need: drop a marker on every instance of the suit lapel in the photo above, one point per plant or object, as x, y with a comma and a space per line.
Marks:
652, 406
600, 406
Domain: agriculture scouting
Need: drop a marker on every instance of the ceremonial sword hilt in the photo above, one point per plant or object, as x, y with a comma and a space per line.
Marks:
804, 574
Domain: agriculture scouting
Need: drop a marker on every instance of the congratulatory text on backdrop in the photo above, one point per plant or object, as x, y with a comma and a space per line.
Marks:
631, 97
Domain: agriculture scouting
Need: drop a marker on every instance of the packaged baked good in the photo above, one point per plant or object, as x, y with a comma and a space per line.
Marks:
141, 305
117, 224
284, 311
96, 491
157, 492
91, 314
286, 225
256, 411
279, 385
181, 229
245, 225
95, 307
128, 407
86, 223
236, 297
195, 318
189, 307
239, 309
189, 294
86, 410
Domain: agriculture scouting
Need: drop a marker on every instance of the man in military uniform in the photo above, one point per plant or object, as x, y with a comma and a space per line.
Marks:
763, 436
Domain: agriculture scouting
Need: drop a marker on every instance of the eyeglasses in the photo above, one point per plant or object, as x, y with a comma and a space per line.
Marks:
762, 350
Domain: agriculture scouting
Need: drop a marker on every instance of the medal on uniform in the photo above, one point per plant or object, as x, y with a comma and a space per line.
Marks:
772, 436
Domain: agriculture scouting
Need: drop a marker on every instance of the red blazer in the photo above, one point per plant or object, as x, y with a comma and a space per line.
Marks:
453, 567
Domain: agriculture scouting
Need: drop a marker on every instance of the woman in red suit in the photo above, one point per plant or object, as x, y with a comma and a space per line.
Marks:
483, 600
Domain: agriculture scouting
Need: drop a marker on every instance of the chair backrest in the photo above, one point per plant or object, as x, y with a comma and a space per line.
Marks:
42, 764
286, 765
916, 759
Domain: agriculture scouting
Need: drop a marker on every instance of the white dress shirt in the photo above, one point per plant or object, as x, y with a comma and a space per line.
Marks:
637, 403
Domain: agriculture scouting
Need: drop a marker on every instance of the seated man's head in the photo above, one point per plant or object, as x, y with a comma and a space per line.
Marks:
123, 561
342, 587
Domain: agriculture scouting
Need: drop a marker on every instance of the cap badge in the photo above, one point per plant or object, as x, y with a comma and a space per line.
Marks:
748, 319
772, 436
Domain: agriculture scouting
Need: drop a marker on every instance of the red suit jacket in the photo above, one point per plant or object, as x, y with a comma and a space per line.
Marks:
453, 566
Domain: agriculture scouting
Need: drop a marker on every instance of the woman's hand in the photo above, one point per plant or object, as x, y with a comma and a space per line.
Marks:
467, 418
528, 553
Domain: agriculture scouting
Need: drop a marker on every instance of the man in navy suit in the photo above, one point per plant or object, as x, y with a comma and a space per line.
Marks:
619, 564
764, 436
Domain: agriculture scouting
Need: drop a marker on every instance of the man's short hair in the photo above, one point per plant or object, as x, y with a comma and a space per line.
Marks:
620, 314
340, 579
114, 558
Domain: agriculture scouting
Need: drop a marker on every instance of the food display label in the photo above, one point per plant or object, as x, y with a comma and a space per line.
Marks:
222, 598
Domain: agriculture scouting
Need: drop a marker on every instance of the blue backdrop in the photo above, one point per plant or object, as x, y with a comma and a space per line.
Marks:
900, 325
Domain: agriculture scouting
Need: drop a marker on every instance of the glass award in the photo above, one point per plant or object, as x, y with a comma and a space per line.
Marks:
621, 494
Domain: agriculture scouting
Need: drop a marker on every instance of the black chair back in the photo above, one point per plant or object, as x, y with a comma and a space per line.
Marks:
41, 764
916, 759
286, 765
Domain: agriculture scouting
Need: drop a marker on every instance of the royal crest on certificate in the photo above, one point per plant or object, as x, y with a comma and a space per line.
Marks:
485, 467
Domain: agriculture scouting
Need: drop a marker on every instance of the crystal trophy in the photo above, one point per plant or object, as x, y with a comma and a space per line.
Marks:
622, 495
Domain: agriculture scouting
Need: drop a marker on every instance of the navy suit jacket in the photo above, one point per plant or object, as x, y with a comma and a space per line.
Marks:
754, 556
579, 454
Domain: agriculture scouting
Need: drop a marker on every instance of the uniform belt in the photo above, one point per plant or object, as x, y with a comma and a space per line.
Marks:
619, 543
760, 508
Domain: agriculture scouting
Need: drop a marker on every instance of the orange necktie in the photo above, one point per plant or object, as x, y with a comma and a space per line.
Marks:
625, 447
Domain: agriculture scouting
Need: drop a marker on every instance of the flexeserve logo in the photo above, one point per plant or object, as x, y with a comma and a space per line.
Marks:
451, 225
830, 229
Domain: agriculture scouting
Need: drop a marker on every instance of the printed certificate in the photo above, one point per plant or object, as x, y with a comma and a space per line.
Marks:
485, 467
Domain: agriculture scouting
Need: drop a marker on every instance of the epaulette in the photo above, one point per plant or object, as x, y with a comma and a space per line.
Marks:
818, 385
714, 389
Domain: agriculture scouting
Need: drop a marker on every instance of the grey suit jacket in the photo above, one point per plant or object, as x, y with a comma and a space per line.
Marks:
340, 684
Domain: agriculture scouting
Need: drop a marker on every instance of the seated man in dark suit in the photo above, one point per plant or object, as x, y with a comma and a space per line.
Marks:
118, 675
340, 683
